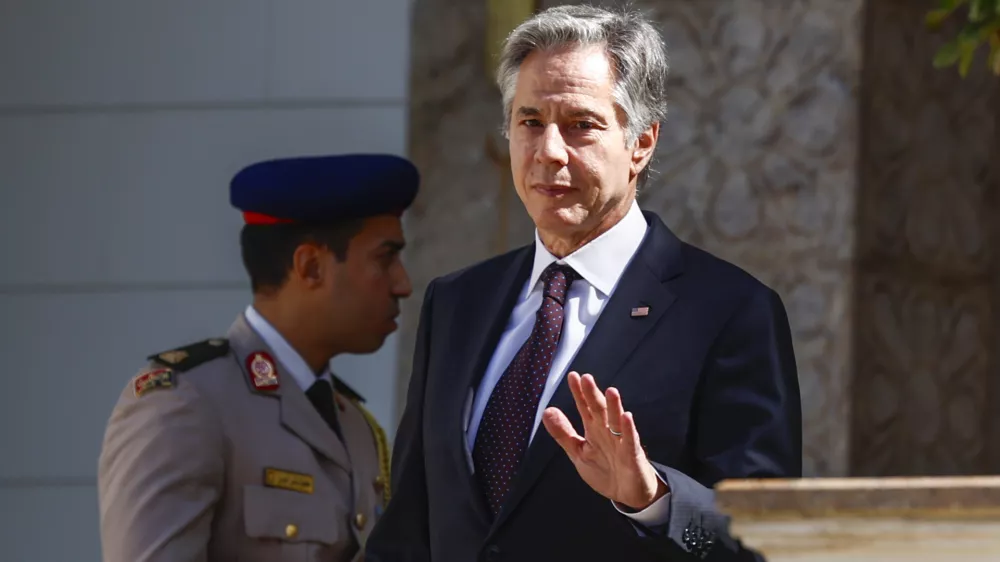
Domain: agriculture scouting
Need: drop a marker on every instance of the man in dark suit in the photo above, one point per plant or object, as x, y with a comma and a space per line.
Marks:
688, 371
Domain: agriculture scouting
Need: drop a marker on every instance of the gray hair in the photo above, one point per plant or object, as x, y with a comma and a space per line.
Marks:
634, 48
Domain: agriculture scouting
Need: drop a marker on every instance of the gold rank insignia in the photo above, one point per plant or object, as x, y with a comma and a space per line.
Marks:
152, 379
171, 357
285, 480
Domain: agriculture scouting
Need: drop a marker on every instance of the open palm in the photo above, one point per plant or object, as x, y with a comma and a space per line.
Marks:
614, 465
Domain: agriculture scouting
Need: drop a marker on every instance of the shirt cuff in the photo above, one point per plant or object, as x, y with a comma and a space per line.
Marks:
657, 514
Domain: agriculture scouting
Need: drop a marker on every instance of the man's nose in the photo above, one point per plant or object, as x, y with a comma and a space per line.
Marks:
553, 147
402, 288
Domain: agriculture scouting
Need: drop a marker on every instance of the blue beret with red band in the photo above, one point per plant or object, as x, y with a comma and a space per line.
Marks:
324, 189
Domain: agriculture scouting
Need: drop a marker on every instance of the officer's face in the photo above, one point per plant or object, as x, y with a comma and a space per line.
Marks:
368, 285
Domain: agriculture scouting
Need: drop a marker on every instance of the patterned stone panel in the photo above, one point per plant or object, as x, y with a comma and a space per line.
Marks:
756, 163
920, 396
926, 335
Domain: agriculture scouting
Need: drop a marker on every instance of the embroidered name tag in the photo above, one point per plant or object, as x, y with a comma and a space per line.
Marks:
285, 480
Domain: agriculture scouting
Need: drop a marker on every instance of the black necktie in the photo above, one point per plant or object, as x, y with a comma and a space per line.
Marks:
321, 396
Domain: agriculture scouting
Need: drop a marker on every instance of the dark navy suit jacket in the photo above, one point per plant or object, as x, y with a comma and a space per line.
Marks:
709, 375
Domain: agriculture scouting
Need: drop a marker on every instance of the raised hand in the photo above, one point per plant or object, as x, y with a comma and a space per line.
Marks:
609, 456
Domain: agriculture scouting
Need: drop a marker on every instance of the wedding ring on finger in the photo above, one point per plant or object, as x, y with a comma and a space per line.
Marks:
613, 432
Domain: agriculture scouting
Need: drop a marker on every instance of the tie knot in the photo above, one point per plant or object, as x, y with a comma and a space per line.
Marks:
320, 393
557, 279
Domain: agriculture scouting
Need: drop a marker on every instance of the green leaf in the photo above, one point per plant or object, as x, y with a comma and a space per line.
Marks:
967, 50
971, 34
947, 55
981, 25
994, 59
976, 12
950, 5
989, 29
935, 18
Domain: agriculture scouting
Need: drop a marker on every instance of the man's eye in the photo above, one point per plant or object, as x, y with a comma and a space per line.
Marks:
532, 122
585, 125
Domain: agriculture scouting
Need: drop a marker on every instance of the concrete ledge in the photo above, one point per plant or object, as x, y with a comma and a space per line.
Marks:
870, 519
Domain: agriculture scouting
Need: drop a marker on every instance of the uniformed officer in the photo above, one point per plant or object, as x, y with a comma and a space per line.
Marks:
246, 447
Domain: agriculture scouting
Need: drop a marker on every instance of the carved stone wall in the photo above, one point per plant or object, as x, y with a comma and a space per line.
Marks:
756, 163
924, 394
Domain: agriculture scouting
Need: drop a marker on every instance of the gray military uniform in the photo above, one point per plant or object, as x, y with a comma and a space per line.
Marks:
199, 463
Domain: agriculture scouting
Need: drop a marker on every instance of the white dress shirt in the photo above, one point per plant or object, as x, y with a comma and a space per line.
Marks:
600, 264
284, 353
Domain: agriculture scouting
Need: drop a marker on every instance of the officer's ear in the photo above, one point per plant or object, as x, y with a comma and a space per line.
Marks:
307, 264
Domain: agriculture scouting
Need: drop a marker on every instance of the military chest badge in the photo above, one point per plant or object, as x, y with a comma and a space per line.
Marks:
263, 374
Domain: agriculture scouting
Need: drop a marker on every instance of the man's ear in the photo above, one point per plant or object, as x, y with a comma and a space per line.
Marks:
642, 152
307, 265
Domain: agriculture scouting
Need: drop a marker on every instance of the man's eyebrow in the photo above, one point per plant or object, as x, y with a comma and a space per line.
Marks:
528, 111
396, 245
585, 113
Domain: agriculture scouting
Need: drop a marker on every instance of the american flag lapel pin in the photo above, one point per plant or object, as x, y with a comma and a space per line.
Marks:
640, 311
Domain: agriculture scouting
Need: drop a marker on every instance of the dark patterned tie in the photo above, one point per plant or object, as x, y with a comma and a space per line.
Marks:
505, 429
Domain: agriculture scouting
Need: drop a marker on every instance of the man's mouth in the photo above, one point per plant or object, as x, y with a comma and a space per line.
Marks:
552, 190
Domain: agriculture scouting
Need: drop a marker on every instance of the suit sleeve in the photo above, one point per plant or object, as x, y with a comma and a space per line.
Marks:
402, 533
748, 424
159, 477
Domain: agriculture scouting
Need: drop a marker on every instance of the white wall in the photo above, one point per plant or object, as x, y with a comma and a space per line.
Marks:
121, 123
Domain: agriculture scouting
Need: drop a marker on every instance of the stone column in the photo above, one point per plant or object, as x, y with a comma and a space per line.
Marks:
926, 309
756, 163
993, 376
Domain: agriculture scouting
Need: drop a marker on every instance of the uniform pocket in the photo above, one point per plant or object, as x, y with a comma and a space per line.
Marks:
276, 514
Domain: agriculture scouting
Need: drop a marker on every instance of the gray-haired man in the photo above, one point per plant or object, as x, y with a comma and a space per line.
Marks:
673, 344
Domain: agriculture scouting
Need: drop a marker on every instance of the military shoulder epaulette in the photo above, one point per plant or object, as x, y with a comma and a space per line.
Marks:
190, 356
342, 388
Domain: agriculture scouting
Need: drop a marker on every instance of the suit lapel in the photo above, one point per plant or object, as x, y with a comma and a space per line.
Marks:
481, 315
297, 414
608, 347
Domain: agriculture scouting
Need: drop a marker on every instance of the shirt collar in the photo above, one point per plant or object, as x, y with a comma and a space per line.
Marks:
601, 261
284, 353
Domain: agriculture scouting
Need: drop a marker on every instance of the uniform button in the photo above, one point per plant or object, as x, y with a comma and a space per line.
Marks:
291, 531
379, 483
360, 520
